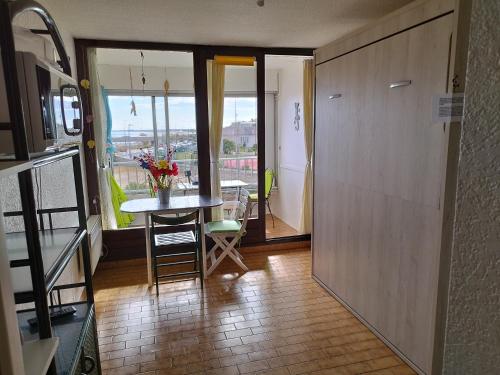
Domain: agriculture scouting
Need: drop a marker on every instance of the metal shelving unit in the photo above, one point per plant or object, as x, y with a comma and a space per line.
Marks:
46, 251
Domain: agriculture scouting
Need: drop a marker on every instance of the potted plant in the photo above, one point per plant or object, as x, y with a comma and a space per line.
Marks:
161, 173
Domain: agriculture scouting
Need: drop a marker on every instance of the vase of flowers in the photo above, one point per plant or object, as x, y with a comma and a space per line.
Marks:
161, 173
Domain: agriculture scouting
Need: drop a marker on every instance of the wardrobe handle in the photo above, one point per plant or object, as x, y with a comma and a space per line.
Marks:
400, 84
334, 96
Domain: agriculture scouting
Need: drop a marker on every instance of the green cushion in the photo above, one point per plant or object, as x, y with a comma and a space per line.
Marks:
224, 226
254, 196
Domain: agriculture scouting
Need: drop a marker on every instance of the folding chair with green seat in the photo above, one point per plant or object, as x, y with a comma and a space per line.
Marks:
227, 233
168, 248
268, 185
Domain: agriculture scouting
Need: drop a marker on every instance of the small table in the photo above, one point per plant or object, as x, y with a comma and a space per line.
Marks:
224, 184
181, 204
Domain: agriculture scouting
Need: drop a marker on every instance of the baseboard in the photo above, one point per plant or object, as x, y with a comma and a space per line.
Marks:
276, 246
371, 328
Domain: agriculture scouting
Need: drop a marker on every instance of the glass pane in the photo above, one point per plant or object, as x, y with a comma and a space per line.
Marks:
131, 133
182, 136
238, 149
239, 141
162, 115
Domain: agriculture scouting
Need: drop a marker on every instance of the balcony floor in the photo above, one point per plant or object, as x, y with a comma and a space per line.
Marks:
280, 229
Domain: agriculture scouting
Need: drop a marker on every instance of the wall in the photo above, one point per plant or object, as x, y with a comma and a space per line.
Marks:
180, 79
286, 202
472, 337
270, 131
31, 20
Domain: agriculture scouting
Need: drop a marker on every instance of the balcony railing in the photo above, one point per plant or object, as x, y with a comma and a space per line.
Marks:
133, 179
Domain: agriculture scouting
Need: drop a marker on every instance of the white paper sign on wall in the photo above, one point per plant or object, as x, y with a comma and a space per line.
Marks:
447, 107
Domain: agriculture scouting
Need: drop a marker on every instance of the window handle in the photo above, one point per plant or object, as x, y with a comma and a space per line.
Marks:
334, 96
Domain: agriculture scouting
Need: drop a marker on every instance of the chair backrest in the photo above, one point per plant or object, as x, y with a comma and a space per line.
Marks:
231, 210
268, 182
244, 196
245, 206
174, 220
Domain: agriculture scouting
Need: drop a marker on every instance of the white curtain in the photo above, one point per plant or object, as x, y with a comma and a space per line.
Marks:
99, 124
306, 214
215, 84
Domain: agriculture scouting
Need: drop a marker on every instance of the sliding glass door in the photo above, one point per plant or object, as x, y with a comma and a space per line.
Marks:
235, 102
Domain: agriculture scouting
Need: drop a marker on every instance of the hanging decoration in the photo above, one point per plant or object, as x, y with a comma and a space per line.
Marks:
91, 146
296, 118
143, 77
166, 86
85, 83
133, 110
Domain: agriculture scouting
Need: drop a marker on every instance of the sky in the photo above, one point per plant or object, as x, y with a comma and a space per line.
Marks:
181, 112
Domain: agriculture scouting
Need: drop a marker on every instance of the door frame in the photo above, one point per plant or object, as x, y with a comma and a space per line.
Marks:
256, 227
132, 248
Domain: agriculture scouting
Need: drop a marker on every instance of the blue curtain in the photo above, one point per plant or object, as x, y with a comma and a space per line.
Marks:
109, 122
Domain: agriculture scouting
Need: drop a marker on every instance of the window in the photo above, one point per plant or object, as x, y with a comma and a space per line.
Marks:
160, 121
238, 160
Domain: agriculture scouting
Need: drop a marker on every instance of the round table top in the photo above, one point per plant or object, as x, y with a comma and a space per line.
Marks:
176, 204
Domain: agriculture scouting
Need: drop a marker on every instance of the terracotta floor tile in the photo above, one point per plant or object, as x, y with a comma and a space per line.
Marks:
253, 366
272, 320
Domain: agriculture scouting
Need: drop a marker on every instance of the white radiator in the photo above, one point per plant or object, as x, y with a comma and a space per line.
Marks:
94, 228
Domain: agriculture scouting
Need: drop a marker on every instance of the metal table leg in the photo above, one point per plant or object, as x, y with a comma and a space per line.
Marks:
148, 248
203, 244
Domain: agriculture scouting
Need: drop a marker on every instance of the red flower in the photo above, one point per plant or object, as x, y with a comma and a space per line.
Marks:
175, 169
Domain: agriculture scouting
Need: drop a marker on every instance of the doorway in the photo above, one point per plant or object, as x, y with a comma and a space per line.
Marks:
286, 157
235, 101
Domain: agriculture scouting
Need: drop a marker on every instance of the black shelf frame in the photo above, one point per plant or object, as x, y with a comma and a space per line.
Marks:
43, 283
73, 329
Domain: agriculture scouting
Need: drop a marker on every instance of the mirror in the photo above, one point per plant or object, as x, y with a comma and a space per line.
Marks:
71, 110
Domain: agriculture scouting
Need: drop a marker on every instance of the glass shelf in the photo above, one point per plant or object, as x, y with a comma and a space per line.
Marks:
58, 245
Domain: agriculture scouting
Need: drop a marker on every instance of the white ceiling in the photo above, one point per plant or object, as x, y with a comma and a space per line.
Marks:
280, 23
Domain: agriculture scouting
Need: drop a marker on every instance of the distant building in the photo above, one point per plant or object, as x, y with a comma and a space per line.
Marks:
242, 133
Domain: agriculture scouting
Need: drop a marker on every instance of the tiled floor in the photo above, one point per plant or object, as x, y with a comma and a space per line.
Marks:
274, 319
280, 228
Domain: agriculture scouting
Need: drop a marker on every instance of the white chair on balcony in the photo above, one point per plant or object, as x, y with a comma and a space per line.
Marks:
227, 233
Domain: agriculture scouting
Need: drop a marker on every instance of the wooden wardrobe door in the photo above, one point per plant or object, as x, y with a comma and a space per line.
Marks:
322, 254
409, 170
378, 175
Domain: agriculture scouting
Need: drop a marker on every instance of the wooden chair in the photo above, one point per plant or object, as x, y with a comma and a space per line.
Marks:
227, 233
167, 248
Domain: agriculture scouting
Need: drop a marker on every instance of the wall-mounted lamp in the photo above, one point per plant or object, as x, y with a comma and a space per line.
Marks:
296, 119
